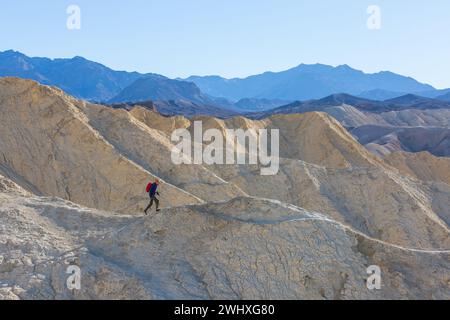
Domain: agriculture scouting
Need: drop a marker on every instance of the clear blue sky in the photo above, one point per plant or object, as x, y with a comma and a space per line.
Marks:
236, 38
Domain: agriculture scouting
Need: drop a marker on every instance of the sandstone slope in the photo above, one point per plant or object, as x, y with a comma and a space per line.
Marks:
422, 165
245, 248
375, 201
382, 140
351, 117
312, 137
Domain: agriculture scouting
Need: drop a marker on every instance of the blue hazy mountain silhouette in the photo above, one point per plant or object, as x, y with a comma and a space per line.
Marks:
90, 80
93, 81
161, 88
77, 76
307, 82
444, 97
405, 102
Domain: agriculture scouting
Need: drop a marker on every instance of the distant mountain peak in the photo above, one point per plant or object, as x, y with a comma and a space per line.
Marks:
308, 81
79, 58
407, 98
343, 98
11, 52
345, 67
77, 76
338, 96
310, 67
157, 87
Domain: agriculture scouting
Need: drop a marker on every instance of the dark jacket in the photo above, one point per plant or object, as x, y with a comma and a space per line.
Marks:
153, 190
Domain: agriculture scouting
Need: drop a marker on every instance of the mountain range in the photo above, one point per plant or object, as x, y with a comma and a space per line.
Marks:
93, 81
408, 123
77, 76
377, 123
307, 82
409, 101
445, 97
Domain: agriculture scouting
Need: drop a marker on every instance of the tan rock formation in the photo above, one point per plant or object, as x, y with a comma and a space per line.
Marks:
72, 182
246, 248
422, 165
49, 142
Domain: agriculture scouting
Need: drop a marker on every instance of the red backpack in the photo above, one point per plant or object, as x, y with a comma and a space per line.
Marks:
149, 186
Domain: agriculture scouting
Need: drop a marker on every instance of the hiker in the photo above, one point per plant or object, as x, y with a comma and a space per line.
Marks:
152, 189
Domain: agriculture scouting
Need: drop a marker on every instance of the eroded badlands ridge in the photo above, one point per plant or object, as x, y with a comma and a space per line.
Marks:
72, 185
246, 248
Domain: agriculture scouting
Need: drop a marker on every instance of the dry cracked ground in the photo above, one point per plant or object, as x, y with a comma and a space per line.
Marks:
72, 176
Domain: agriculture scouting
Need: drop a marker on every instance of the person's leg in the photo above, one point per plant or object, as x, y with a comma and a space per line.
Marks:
157, 204
149, 206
